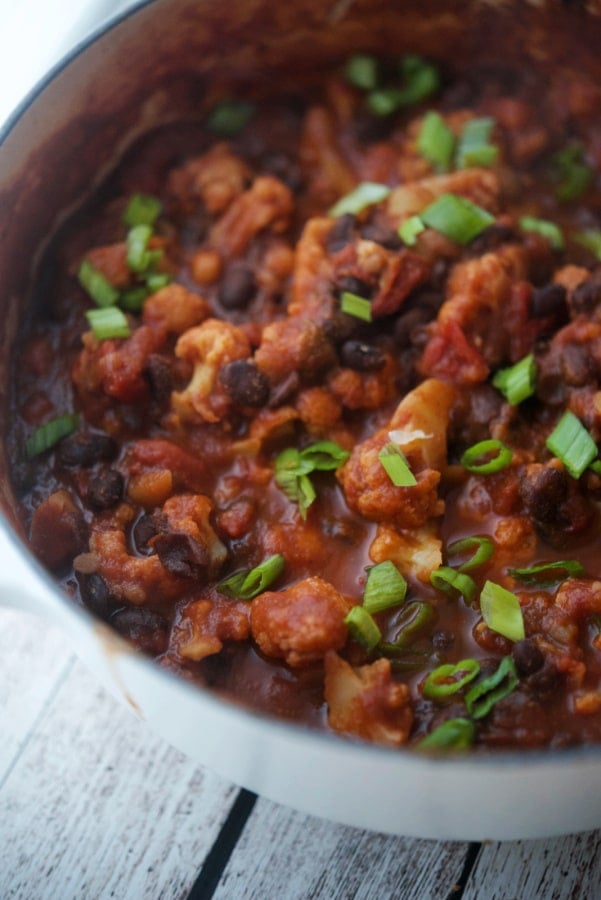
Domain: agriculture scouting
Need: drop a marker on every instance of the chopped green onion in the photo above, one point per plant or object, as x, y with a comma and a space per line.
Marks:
361, 71
454, 734
108, 323
486, 457
479, 547
133, 298
323, 456
385, 101
549, 573
157, 280
50, 433
406, 660
481, 698
365, 194
436, 141
356, 306
410, 230
546, 229
293, 467
450, 678
138, 258
229, 117
517, 382
247, 585
456, 218
421, 79
396, 466
96, 285
453, 582
474, 147
595, 466
385, 587
410, 621
142, 209
363, 629
501, 611
572, 173
572, 444
591, 239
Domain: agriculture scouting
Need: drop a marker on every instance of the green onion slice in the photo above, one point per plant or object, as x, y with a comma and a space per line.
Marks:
549, 573
517, 382
50, 433
108, 323
157, 280
591, 239
396, 465
546, 229
450, 678
96, 285
362, 72
356, 306
481, 698
571, 172
407, 660
362, 628
436, 141
486, 457
133, 298
138, 257
453, 582
478, 549
502, 612
247, 585
385, 587
365, 194
410, 622
456, 218
229, 117
454, 734
324, 456
385, 101
474, 147
421, 79
572, 444
410, 230
142, 209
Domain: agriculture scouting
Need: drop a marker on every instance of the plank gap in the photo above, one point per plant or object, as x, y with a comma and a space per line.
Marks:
472, 853
218, 856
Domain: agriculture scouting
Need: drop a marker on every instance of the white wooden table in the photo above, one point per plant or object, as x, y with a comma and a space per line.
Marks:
93, 805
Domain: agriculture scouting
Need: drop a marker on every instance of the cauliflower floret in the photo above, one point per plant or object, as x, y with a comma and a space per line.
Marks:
204, 626
366, 702
215, 178
187, 515
416, 553
301, 623
175, 309
208, 347
267, 204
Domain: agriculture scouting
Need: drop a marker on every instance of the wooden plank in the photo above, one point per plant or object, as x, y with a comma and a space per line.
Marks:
96, 805
556, 869
288, 855
33, 658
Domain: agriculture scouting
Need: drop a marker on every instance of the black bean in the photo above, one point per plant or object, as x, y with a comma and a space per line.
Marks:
237, 287
362, 357
160, 376
105, 489
180, 554
145, 629
543, 489
528, 658
577, 365
350, 284
408, 324
587, 296
339, 327
341, 233
96, 595
442, 639
85, 449
244, 383
143, 530
550, 300
379, 234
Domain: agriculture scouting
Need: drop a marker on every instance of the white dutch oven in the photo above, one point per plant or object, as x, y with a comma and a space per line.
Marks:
165, 60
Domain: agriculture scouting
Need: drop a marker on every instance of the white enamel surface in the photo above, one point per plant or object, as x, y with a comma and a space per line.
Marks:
475, 799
